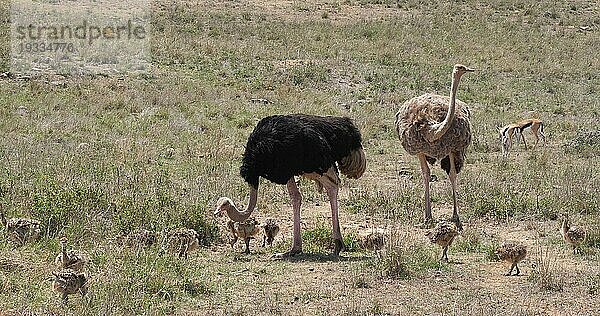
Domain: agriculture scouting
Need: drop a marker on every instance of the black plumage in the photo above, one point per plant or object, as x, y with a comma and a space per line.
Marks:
283, 146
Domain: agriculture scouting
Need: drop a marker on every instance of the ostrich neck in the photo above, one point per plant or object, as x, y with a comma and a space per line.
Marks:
565, 226
237, 216
65, 257
438, 130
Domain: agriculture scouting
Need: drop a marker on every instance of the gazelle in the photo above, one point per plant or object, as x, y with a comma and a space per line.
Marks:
506, 135
516, 129
537, 129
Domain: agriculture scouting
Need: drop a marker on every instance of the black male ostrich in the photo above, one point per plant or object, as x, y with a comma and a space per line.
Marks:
284, 146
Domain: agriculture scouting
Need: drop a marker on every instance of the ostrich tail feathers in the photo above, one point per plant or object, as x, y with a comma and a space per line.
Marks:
353, 165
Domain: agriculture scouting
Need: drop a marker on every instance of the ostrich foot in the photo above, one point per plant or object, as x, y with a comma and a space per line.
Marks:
291, 253
338, 247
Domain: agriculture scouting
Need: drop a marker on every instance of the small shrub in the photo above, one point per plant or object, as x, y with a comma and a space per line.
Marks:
318, 239
360, 281
490, 252
592, 238
545, 274
469, 241
59, 207
404, 258
394, 264
585, 144
309, 74
351, 243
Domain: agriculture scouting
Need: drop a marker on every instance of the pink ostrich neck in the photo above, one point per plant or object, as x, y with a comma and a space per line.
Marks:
565, 226
438, 130
237, 216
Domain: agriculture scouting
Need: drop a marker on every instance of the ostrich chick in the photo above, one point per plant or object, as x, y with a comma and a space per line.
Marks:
513, 253
245, 230
183, 240
372, 239
271, 230
68, 282
69, 259
443, 234
21, 230
573, 236
140, 238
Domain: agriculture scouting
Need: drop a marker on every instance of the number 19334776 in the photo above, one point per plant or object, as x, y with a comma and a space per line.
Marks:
42, 47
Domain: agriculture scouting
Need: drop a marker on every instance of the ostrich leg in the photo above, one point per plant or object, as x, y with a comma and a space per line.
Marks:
330, 181
445, 254
296, 202
426, 174
453, 177
332, 193
247, 241
511, 269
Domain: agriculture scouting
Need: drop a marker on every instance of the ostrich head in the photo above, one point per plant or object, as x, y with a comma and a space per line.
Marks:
501, 252
226, 206
223, 204
459, 70
63, 244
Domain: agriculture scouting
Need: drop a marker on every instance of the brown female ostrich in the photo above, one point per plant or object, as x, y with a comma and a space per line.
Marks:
437, 127
284, 146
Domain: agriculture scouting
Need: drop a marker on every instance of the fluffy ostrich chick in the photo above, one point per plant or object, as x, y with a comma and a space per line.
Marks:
513, 253
443, 234
67, 282
572, 235
21, 230
245, 230
69, 259
140, 238
182, 241
271, 229
372, 239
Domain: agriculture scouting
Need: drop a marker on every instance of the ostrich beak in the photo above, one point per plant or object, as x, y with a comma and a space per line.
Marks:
470, 69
